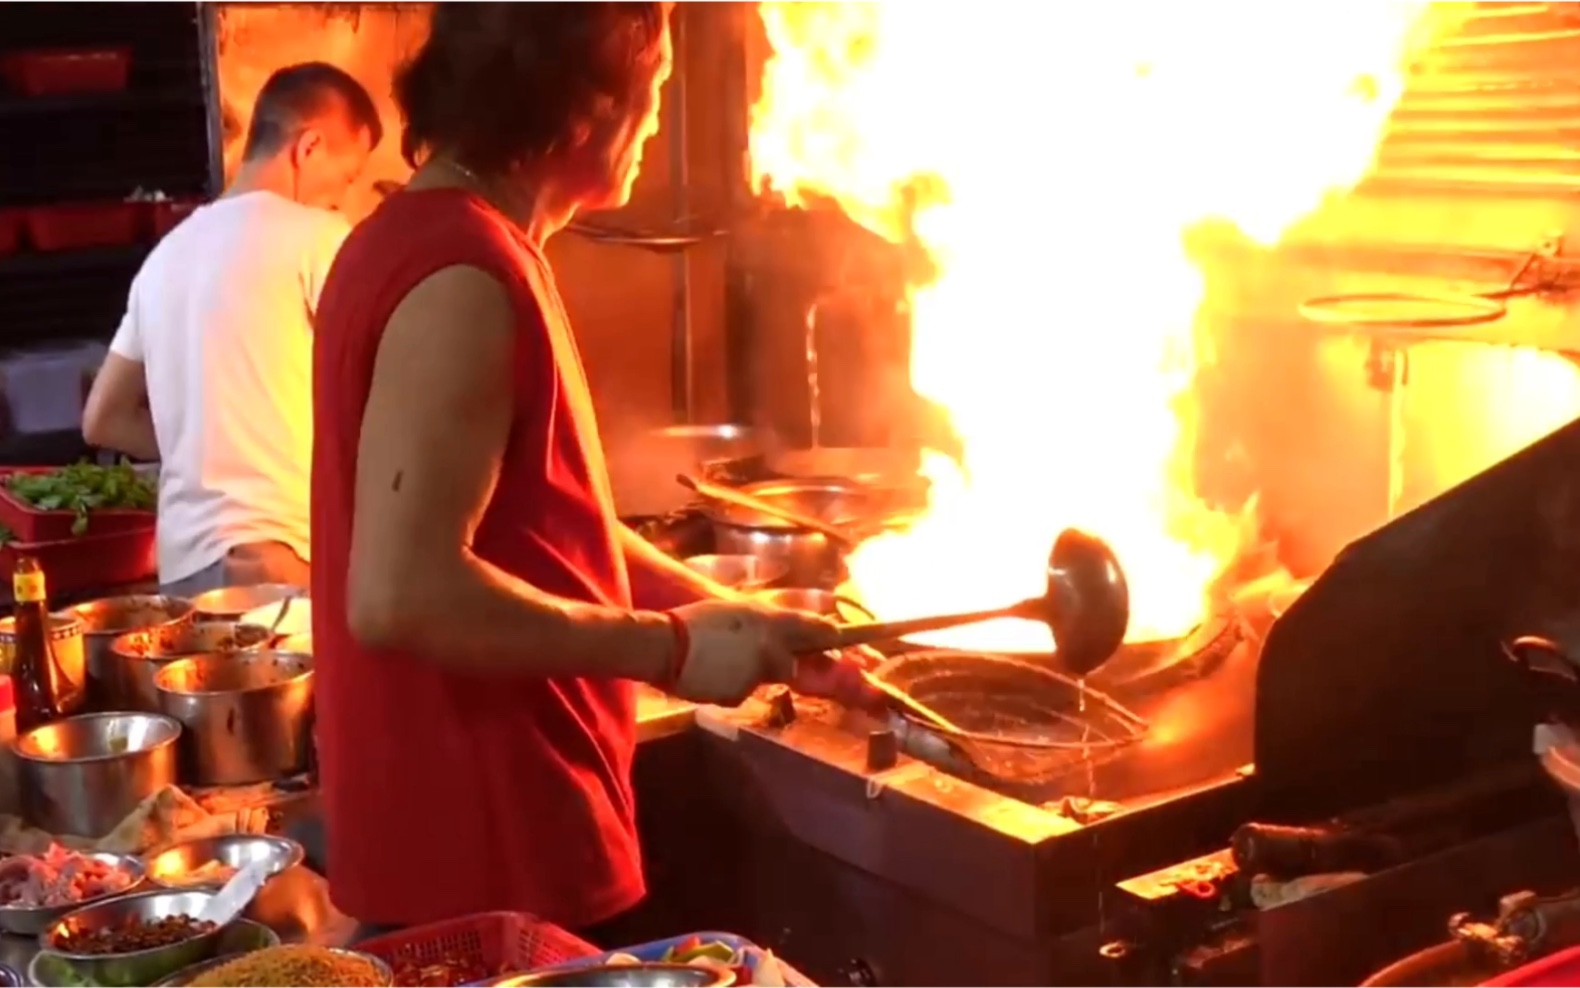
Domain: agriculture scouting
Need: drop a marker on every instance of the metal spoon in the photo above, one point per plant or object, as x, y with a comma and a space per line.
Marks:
740, 499
1086, 605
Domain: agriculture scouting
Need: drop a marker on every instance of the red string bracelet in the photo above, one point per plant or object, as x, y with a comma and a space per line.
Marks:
677, 663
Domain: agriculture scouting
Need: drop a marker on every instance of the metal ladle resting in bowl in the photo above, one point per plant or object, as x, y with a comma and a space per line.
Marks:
1086, 605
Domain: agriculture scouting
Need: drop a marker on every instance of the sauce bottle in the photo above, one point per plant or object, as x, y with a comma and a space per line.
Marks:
43, 693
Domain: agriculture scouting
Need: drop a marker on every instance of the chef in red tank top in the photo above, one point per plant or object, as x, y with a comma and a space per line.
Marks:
480, 615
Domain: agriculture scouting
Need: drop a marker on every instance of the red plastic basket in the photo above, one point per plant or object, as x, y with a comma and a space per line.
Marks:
28, 524
477, 948
1562, 968
68, 70
91, 562
87, 224
10, 230
165, 215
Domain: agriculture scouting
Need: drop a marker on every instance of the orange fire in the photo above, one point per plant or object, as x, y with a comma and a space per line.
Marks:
1064, 150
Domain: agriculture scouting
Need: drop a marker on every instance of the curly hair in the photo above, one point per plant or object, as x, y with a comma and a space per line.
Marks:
501, 84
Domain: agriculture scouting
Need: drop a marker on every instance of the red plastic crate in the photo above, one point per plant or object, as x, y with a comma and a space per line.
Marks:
162, 217
28, 524
1553, 971
68, 70
488, 944
84, 224
90, 562
10, 230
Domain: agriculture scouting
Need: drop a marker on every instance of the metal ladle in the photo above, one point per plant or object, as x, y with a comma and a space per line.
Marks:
1086, 605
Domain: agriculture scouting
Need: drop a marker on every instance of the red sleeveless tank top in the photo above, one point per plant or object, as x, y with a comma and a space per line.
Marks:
445, 794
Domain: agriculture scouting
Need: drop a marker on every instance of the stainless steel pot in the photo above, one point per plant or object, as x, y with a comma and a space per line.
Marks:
108, 618
84, 775
134, 658
65, 636
811, 559
233, 603
248, 715
824, 602
744, 573
643, 463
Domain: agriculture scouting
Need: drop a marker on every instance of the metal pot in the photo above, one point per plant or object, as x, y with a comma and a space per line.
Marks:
643, 464
744, 573
824, 602
108, 618
233, 603
811, 559
65, 636
134, 658
248, 716
84, 775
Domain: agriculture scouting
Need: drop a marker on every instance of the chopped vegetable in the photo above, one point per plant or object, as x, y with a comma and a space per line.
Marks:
83, 488
132, 935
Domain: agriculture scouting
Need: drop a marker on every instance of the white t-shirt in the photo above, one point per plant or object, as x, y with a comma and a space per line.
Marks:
220, 316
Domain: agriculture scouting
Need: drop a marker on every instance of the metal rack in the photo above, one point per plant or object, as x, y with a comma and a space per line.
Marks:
94, 146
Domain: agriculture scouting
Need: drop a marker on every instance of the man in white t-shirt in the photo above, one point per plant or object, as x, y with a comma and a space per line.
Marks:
210, 372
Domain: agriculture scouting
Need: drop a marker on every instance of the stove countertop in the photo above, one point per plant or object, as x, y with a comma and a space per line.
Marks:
659, 715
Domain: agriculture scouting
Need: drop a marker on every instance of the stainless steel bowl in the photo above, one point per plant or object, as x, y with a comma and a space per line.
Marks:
83, 775
301, 644
747, 573
108, 618
187, 975
232, 603
166, 867
625, 976
247, 715
137, 967
49, 970
136, 657
30, 921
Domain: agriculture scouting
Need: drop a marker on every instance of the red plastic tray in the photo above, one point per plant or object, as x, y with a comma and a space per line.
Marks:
68, 70
490, 944
163, 216
10, 230
86, 224
1553, 971
89, 562
28, 524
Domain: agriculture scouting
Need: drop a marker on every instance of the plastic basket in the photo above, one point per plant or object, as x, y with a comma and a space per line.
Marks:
754, 956
486, 946
1562, 968
91, 562
29, 524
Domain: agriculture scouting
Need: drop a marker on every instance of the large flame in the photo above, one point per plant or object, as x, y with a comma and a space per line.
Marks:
1063, 150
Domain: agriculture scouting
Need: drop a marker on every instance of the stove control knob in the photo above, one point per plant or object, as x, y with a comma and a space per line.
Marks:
883, 750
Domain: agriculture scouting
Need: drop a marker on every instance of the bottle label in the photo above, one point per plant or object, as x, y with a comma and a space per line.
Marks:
28, 588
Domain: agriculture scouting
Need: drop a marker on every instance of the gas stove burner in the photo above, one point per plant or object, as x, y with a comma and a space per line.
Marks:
1024, 728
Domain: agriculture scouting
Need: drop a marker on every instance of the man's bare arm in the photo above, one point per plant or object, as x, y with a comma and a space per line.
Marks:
661, 583
116, 414
433, 436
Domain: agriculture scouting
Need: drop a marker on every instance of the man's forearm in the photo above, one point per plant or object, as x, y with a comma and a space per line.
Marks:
660, 583
131, 434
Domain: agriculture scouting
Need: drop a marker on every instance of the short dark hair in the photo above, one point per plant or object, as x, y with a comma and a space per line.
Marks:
498, 84
297, 95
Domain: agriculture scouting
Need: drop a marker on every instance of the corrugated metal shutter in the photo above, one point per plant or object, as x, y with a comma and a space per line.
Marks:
1493, 106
